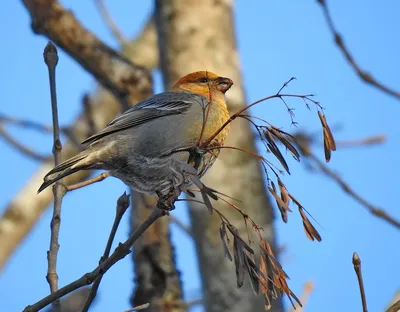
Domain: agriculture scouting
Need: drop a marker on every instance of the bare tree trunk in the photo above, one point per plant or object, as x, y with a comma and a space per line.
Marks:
199, 35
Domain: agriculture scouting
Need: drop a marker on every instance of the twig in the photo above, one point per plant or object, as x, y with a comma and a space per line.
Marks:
29, 124
366, 77
139, 307
122, 206
25, 123
21, 147
380, 213
119, 253
240, 111
110, 23
51, 59
395, 307
96, 179
357, 268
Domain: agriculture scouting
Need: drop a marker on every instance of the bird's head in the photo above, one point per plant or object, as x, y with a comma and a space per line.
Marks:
204, 83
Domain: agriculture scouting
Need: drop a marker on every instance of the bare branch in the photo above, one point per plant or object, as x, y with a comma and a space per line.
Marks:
122, 206
21, 147
96, 179
51, 19
122, 40
378, 212
119, 253
357, 268
304, 142
51, 59
366, 77
29, 124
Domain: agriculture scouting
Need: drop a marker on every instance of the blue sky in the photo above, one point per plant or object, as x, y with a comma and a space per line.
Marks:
277, 40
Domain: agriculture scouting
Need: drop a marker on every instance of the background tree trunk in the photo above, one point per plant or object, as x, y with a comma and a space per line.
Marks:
199, 35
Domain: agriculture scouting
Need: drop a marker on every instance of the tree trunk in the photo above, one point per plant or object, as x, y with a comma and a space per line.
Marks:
199, 35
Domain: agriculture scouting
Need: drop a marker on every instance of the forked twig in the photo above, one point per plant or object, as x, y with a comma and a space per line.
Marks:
239, 112
119, 253
122, 206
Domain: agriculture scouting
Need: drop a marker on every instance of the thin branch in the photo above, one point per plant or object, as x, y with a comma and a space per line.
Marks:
110, 22
21, 147
304, 97
33, 125
96, 179
366, 77
119, 253
122, 206
380, 213
357, 268
51, 59
29, 124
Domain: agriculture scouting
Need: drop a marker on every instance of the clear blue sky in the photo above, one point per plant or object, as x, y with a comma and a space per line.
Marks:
277, 40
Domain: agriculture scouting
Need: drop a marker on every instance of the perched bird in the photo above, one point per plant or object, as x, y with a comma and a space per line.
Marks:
156, 145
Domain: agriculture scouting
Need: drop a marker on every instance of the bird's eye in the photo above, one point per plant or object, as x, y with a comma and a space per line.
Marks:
203, 80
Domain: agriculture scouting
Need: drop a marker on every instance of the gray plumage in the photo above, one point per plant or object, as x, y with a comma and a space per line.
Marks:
148, 156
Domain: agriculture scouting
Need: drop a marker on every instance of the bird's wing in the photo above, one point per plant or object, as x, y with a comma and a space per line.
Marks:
157, 106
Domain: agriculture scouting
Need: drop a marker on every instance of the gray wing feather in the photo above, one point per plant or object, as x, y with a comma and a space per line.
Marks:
160, 105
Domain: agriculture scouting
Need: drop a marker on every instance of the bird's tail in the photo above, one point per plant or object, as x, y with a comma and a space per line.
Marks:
81, 161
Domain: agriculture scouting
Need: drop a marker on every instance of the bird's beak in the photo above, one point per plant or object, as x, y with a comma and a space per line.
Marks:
224, 84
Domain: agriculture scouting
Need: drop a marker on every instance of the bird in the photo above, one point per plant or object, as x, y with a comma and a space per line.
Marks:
158, 145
